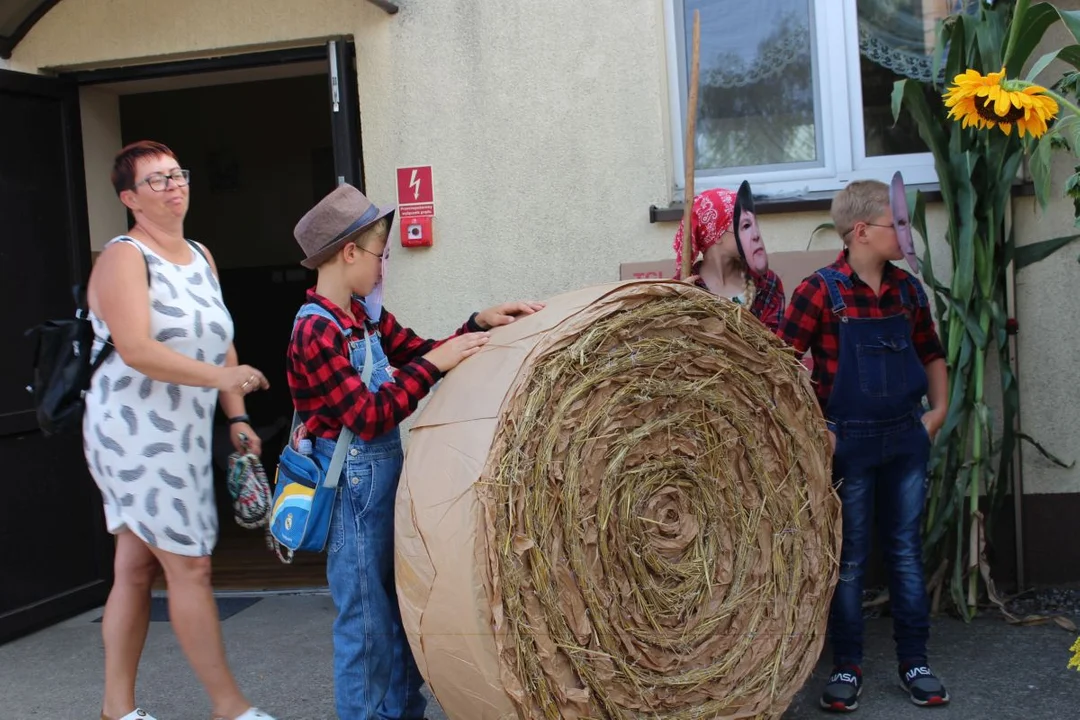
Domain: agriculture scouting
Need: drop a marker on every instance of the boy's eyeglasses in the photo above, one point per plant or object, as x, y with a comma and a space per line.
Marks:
385, 253
159, 182
890, 226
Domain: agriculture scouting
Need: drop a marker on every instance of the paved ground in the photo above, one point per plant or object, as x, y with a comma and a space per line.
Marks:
992, 670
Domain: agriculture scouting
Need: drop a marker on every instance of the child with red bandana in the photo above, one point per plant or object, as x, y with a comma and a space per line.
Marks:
733, 263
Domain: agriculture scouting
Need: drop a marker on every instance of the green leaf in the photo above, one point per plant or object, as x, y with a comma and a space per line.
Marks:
942, 31
990, 35
1030, 254
971, 324
1029, 34
944, 521
1046, 453
966, 198
1010, 408
1071, 19
1005, 185
917, 203
1040, 169
909, 94
1069, 54
956, 413
956, 62
819, 228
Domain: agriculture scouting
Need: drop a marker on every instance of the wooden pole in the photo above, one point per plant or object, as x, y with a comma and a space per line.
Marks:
688, 155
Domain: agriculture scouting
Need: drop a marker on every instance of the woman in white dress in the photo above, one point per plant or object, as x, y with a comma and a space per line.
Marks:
155, 296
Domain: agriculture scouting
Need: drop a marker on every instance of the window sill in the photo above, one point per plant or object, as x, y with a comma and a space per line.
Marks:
811, 202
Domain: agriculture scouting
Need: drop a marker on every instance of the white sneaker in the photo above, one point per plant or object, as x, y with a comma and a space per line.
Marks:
254, 714
136, 714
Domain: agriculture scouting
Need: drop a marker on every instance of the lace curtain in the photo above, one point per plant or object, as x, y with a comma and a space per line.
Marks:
900, 35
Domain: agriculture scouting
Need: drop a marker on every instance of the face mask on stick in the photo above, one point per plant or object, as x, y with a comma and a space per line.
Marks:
902, 220
747, 235
374, 301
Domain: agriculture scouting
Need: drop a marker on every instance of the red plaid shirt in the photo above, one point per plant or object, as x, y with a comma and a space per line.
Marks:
768, 304
327, 391
811, 324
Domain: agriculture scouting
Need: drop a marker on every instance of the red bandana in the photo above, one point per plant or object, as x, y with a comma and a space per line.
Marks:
711, 217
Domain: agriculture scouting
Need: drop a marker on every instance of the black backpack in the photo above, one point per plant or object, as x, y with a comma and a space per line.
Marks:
62, 367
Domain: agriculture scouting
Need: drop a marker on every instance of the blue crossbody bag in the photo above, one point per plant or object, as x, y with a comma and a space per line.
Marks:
303, 494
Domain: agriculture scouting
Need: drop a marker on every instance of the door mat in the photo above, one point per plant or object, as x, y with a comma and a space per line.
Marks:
227, 607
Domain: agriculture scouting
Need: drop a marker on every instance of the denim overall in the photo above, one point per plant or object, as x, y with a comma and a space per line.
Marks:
375, 676
882, 448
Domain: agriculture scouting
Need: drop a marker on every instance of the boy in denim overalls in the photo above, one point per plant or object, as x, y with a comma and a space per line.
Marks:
339, 331
868, 326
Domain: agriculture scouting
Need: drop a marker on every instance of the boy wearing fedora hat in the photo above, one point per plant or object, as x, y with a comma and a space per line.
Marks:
342, 335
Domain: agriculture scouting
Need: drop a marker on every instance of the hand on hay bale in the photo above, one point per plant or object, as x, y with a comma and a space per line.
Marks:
506, 313
621, 508
447, 356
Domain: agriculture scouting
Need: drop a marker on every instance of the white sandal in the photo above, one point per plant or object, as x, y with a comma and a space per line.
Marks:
250, 714
136, 714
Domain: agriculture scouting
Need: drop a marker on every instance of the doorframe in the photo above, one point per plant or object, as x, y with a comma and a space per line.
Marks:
339, 54
195, 66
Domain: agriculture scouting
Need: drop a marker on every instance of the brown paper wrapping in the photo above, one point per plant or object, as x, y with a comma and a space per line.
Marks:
620, 508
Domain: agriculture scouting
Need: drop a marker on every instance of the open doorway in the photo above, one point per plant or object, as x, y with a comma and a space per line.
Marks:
260, 143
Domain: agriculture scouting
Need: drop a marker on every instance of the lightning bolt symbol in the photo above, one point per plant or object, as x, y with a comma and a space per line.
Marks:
414, 183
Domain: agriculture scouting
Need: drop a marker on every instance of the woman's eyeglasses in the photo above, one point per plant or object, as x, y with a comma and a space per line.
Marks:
159, 182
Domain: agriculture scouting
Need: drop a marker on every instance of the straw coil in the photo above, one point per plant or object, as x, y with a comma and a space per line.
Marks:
654, 526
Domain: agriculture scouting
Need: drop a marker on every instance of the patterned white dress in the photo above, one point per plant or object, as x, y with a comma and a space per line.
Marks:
147, 442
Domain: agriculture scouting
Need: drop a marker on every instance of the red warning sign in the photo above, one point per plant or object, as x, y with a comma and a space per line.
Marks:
416, 197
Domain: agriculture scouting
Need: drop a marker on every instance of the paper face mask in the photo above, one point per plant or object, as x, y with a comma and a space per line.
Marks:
373, 302
747, 235
902, 220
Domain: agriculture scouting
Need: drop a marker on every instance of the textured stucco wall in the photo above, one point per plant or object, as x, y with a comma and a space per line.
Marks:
546, 124
547, 138
100, 115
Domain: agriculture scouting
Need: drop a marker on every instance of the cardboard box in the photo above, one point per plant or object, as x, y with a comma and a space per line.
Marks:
792, 267
655, 270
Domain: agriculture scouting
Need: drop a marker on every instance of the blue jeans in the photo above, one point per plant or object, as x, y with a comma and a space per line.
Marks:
375, 676
890, 468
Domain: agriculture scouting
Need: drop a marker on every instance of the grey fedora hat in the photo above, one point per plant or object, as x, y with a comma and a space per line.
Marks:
334, 221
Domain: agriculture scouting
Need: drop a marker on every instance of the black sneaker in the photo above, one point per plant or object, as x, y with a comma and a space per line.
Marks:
842, 692
922, 685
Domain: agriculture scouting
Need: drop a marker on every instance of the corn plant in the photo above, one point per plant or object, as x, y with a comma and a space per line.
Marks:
980, 130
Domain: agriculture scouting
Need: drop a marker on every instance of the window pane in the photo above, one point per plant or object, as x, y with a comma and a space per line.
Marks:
757, 102
896, 40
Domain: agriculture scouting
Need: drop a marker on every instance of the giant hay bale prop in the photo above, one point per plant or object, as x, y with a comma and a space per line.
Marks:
621, 508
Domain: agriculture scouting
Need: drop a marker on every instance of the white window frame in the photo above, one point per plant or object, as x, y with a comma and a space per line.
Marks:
839, 89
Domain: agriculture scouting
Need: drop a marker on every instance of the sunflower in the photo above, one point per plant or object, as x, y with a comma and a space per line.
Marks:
984, 102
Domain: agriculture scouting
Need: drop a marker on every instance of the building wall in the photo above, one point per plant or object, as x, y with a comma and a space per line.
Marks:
100, 115
547, 126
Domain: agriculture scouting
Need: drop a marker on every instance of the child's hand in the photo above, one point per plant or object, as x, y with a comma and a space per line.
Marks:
933, 421
447, 356
505, 313
832, 440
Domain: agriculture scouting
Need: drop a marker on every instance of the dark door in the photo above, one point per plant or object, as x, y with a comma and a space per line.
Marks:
55, 556
345, 114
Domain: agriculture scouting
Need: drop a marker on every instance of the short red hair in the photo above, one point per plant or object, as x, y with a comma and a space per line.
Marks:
123, 172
